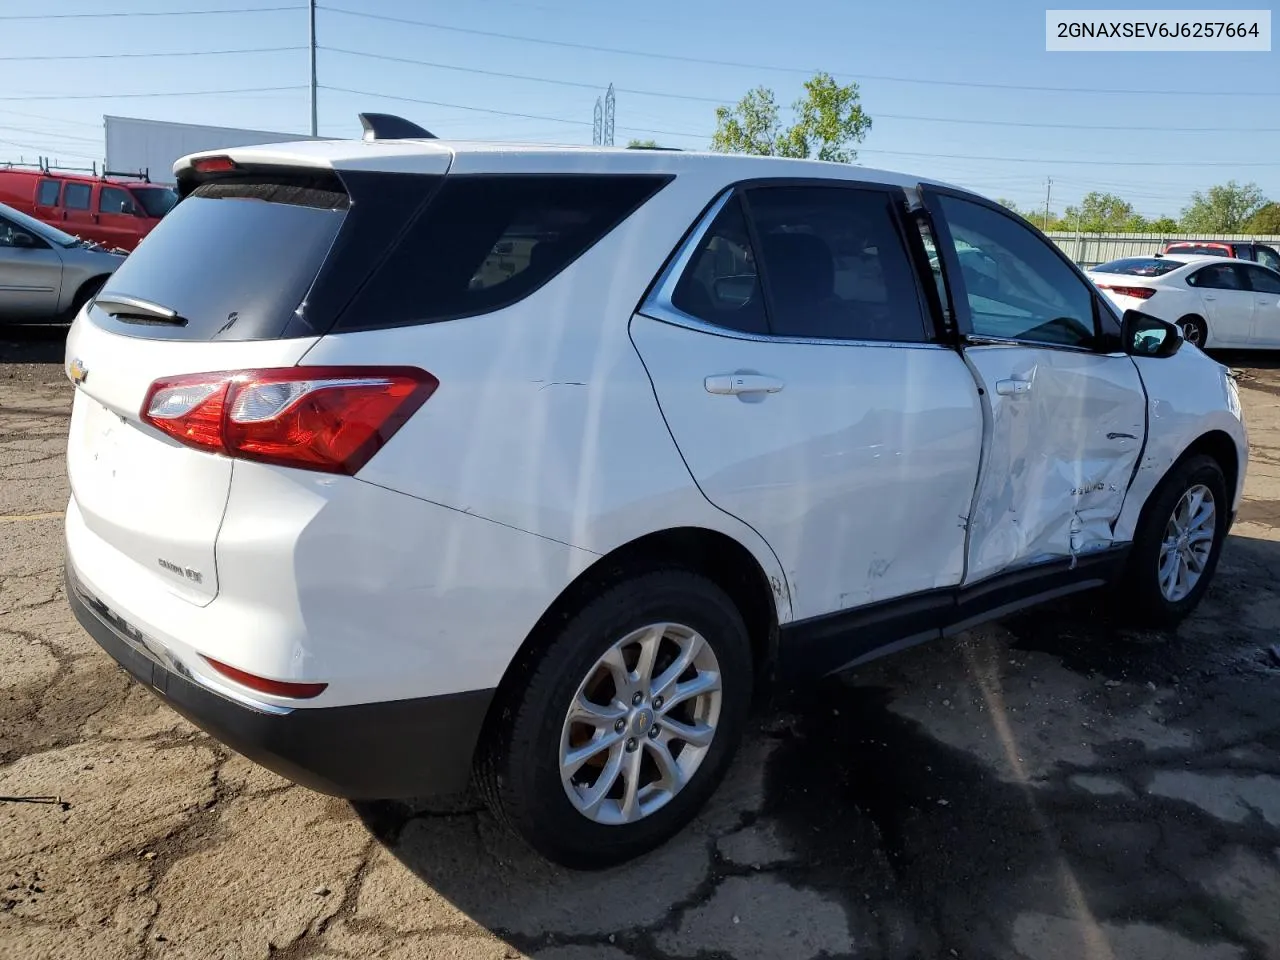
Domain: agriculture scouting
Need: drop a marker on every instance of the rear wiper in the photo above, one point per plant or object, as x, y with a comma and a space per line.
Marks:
136, 310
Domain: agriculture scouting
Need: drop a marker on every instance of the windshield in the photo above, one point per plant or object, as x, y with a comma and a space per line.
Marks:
31, 225
1139, 266
156, 201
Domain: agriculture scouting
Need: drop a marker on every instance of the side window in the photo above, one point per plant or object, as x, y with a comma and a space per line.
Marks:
1263, 281
720, 284
835, 265
1268, 257
1219, 276
115, 200
76, 196
47, 193
1017, 286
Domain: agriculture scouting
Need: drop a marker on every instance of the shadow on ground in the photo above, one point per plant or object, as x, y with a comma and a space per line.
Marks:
959, 799
32, 343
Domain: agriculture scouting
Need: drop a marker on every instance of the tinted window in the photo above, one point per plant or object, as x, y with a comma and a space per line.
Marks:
485, 242
720, 284
835, 265
1140, 267
1263, 281
1016, 284
1201, 249
235, 259
1267, 257
48, 193
156, 201
1220, 276
9, 232
76, 196
115, 200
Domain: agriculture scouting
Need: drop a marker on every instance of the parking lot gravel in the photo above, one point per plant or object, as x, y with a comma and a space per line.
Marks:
1051, 786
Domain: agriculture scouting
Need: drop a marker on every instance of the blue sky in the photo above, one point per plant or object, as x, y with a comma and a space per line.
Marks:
950, 86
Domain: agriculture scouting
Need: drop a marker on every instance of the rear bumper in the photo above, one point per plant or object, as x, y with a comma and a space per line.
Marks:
394, 749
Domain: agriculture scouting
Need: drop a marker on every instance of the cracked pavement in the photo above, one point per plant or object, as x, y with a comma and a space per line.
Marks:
1053, 785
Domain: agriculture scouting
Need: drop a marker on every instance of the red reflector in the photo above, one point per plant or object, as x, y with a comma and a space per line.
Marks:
1141, 293
276, 688
213, 164
332, 419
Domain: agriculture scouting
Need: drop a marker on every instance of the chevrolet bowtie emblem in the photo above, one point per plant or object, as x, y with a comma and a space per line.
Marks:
78, 371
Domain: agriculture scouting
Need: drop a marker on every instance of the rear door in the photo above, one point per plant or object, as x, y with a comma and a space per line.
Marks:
1228, 303
1066, 419
217, 292
1265, 285
790, 351
78, 211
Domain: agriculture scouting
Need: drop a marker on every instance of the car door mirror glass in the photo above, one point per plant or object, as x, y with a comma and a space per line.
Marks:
1146, 336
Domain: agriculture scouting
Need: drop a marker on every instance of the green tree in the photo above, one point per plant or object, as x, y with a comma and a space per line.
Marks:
1223, 209
1265, 220
1163, 225
651, 144
1102, 212
828, 120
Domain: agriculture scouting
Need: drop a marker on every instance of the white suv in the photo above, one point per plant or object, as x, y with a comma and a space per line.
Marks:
392, 461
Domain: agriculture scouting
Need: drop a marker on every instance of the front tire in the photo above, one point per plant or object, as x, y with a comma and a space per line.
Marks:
623, 725
1177, 544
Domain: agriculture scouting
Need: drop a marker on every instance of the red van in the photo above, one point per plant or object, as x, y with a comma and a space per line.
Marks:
114, 211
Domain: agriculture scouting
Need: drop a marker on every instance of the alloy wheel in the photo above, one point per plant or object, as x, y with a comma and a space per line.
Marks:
1187, 543
640, 724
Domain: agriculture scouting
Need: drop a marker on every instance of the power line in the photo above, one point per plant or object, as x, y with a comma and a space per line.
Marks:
653, 55
156, 93
167, 53
582, 85
1057, 160
498, 113
50, 133
146, 13
45, 116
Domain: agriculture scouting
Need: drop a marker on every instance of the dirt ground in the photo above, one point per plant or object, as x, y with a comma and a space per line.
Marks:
1052, 786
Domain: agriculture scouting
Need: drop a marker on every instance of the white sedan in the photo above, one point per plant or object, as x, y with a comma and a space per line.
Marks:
1217, 301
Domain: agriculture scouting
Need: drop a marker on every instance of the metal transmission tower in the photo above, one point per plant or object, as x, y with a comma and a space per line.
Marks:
608, 117
597, 127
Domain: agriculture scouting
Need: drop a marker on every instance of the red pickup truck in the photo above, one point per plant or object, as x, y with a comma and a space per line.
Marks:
1240, 249
114, 211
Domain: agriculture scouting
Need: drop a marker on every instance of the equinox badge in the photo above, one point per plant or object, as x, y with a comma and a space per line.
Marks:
78, 372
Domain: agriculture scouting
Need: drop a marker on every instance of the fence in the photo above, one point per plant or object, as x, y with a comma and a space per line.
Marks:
1090, 249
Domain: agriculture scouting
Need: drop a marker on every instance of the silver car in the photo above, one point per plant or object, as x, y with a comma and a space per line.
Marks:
46, 274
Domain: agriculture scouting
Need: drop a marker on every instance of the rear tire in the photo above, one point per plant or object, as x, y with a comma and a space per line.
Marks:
532, 739
1177, 544
1194, 330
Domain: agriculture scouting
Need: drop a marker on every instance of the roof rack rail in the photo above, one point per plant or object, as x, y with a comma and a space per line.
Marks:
386, 126
144, 174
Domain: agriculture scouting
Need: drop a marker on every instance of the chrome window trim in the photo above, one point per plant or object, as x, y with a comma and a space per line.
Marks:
982, 340
658, 306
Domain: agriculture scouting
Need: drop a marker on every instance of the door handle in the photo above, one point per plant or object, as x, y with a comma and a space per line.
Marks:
1013, 388
736, 384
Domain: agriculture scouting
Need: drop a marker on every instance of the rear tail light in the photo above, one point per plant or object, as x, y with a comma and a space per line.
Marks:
213, 165
276, 688
332, 419
1141, 293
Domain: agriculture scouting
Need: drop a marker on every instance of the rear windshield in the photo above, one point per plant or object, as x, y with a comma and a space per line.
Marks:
1200, 249
234, 259
1140, 266
156, 201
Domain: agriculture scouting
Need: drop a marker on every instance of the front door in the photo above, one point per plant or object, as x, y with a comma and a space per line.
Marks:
30, 273
1228, 303
118, 217
1265, 286
1067, 419
802, 382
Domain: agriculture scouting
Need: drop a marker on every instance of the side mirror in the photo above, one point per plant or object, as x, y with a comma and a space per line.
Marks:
1143, 335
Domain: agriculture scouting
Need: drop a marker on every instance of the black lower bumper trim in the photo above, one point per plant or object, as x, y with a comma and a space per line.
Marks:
394, 749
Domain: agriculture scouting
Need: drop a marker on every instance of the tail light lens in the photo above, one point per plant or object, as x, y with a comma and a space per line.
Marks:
277, 688
332, 419
1141, 293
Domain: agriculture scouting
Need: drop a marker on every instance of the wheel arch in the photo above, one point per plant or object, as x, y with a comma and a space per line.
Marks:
78, 298
716, 555
1216, 444
1200, 319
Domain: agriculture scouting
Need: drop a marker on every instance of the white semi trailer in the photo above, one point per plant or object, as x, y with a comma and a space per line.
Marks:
151, 147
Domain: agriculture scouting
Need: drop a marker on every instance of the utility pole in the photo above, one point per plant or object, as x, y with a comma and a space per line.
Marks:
314, 124
597, 125
608, 116
1047, 191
